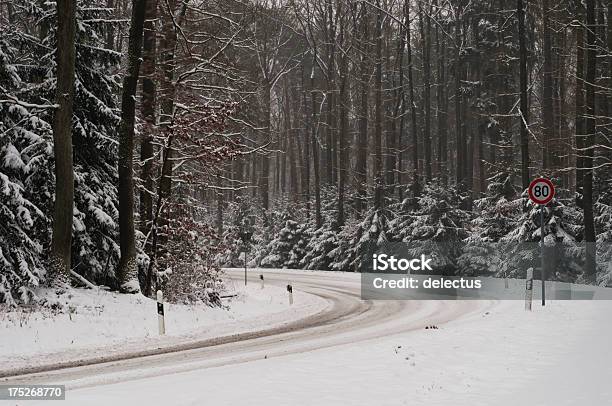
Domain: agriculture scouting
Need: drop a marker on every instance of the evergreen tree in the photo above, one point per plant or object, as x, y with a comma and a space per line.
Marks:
356, 241
562, 228
287, 249
436, 227
603, 223
318, 251
27, 85
25, 146
494, 217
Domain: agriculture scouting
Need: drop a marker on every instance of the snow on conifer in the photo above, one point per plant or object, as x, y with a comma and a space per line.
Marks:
27, 85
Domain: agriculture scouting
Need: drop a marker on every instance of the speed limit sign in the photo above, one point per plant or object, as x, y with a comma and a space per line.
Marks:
541, 191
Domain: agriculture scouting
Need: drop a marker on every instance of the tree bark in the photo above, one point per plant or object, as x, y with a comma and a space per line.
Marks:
168, 48
589, 142
315, 145
342, 156
127, 274
264, 176
524, 113
331, 87
580, 120
306, 160
413, 114
442, 103
425, 35
548, 130
459, 170
61, 239
148, 114
378, 170
361, 169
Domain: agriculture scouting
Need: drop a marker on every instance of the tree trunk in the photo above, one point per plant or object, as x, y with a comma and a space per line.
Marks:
413, 114
361, 169
61, 239
168, 48
548, 130
589, 141
442, 102
220, 204
148, 114
264, 176
127, 274
425, 35
378, 173
315, 145
580, 99
458, 102
306, 171
524, 109
342, 156
330, 119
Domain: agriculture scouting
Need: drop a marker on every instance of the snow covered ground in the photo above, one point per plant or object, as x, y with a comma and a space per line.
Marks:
559, 355
380, 353
105, 323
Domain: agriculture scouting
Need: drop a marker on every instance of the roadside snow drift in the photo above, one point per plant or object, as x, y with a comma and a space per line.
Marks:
105, 323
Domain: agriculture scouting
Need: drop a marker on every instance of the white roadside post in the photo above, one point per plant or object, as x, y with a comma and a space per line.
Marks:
246, 232
529, 289
261, 278
541, 191
160, 313
290, 291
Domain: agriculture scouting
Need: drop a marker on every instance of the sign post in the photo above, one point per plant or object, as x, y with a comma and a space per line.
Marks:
529, 289
245, 236
290, 291
160, 313
541, 191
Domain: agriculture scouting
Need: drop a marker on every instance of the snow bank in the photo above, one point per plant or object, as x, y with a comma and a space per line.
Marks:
103, 323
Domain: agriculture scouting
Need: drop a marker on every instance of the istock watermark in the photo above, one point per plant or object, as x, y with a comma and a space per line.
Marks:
475, 271
384, 262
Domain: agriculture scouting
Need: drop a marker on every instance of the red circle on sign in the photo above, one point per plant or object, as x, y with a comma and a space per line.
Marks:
541, 191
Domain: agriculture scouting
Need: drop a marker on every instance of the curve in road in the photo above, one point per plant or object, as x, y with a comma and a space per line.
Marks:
348, 319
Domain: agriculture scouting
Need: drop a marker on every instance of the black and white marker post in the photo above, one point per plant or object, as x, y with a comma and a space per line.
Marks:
160, 313
245, 236
529, 289
541, 191
290, 292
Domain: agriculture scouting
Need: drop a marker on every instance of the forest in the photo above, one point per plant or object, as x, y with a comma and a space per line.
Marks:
142, 141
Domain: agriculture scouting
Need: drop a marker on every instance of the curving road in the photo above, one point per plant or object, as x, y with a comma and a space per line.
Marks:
346, 320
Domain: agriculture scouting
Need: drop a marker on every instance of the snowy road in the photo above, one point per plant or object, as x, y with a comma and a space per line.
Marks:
347, 319
373, 352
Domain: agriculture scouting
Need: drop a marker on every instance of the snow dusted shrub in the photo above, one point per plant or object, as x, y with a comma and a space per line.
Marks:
188, 272
494, 217
562, 231
242, 219
266, 229
287, 249
603, 225
436, 226
358, 240
229, 248
318, 251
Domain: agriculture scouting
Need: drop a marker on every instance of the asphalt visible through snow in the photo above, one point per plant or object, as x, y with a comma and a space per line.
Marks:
346, 320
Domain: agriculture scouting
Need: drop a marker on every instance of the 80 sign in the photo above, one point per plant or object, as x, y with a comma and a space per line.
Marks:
541, 191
